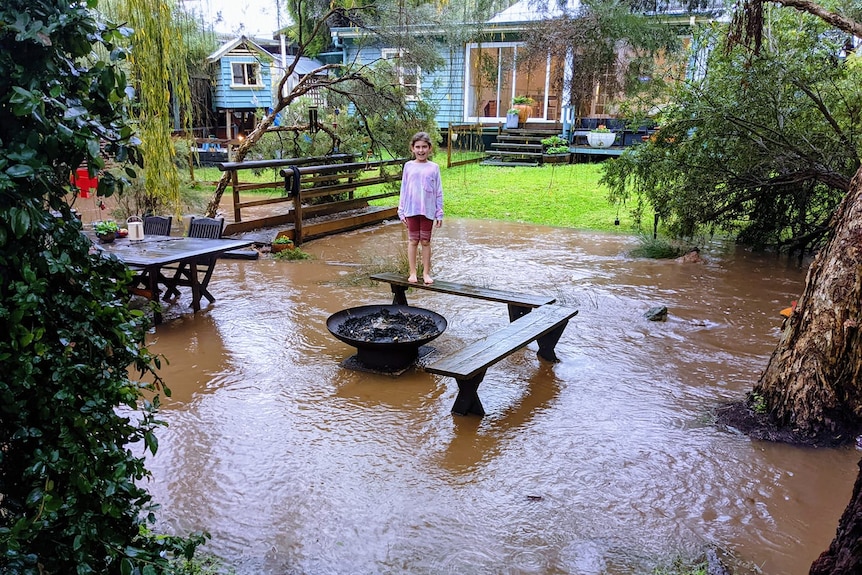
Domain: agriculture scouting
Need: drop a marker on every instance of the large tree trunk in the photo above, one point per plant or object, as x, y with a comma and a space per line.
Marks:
813, 383
843, 556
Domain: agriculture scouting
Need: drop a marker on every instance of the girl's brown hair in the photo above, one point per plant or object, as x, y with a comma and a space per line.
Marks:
421, 136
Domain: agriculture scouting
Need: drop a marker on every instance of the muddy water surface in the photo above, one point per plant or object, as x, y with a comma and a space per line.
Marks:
603, 463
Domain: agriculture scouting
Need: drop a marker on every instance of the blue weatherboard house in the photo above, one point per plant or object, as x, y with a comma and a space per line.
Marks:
248, 72
243, 85
482, 76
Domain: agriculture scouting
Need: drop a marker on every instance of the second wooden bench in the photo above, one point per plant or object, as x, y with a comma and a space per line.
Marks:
544, 324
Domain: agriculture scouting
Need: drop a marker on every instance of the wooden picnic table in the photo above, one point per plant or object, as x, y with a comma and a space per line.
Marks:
149, 257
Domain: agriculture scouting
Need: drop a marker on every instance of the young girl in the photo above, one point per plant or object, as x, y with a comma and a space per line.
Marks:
421, 204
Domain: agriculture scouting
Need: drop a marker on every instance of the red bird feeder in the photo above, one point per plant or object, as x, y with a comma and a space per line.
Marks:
81, 178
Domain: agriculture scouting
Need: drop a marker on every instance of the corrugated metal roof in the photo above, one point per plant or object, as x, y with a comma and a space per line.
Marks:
535, 10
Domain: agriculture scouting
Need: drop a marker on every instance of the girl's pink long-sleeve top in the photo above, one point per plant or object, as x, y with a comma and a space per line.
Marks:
421, 191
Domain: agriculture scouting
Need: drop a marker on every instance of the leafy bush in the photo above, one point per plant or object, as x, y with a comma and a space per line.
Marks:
70, 410
656, 248
292, 254
554, 141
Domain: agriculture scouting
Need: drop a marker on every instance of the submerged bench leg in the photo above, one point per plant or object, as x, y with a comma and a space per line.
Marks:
468, 396
548, 342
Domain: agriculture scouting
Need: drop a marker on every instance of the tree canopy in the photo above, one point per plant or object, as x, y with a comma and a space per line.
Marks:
763, 144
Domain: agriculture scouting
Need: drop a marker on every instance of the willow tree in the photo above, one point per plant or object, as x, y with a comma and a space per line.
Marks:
159, 74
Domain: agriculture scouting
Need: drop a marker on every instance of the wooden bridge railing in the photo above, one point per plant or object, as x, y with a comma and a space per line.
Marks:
314, 186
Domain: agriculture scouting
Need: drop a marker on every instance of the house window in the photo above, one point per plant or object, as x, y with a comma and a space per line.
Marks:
408, 73
496, 76
245, 74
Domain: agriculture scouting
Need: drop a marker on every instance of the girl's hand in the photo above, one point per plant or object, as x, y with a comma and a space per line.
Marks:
438, 223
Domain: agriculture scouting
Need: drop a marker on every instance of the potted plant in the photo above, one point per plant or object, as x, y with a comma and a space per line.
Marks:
281, 243
601, 137
106, 231
524, 105
512, 118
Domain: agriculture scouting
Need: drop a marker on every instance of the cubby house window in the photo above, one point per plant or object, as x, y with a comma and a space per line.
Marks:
408, 73
245, 74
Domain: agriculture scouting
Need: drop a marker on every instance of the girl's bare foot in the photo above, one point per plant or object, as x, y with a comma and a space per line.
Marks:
412, 279
428, 280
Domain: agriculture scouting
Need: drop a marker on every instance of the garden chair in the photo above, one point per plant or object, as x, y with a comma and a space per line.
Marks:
206, 228
210, 228
157, 225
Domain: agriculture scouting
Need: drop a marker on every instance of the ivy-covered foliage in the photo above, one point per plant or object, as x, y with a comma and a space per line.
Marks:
73, 423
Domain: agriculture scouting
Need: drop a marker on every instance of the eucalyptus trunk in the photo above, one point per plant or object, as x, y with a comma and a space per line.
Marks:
843, 557
813, 383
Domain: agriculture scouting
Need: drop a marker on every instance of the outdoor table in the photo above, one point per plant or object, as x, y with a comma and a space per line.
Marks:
152, 254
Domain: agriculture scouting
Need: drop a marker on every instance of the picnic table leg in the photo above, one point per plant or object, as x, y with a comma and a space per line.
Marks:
153, 287
468, 396
205, 282
196, 286
171, 285
399, 295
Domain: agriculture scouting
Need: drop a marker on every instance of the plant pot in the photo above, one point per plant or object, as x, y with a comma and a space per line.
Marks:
107, 237
555, 158
601, 139
512, 120
280, 248
525, 112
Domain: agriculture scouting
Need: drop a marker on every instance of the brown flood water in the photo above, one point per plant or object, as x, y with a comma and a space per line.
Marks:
601, 464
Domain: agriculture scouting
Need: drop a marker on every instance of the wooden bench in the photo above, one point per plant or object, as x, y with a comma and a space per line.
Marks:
544, 324
519, 303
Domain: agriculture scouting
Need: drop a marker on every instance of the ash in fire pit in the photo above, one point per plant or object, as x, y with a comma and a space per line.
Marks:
387, 337
389, 327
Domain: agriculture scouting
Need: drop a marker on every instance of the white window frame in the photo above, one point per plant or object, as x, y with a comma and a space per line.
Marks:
503, 99
249, 70
413, 91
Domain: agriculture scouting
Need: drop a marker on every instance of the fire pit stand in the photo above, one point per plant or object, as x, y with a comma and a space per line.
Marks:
387, 337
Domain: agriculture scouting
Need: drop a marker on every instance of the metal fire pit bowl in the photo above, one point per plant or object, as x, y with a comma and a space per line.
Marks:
385, 356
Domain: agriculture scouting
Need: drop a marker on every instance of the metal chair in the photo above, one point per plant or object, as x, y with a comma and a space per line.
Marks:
157, 225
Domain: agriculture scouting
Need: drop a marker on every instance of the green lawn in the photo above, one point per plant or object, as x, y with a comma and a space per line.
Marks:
566, 195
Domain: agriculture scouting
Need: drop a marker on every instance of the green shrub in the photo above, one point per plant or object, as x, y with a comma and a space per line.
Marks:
292, 254
656, 248
73, 362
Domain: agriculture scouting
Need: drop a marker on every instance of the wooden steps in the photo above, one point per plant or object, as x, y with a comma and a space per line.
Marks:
518, 147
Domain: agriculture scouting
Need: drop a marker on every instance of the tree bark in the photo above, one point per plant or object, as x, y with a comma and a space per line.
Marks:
813, 382
843, 556
240, 154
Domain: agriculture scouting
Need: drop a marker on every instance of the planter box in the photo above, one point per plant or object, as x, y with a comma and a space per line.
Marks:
556, 158
511, 121
601, 139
